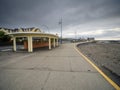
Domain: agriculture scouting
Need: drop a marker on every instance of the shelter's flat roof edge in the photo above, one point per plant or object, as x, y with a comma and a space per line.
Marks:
34, 33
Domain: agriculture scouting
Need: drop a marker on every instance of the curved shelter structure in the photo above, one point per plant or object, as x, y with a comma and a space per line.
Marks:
35, 39
31, 42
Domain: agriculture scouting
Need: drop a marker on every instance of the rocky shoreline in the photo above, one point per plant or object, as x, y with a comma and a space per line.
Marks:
106, 55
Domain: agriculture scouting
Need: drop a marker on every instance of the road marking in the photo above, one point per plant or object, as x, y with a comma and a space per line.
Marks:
104, 75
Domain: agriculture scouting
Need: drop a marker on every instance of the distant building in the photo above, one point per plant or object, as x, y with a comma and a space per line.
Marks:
91, 39
7, 31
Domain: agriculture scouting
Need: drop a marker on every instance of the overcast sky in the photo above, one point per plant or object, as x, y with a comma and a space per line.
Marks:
85, 18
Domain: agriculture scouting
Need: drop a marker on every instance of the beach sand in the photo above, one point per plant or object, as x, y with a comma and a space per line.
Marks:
105, 55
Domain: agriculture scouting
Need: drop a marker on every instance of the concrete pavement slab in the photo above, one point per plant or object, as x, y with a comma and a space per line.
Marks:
23, 79
78, 64
29, 62
76, 81
15, 57
55, 64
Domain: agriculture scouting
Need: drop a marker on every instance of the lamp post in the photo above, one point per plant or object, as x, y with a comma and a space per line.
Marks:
60, 22
75, 35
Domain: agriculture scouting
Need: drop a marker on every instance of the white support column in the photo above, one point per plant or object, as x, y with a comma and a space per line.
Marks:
14, 43
31, 44
53, 42
49, 43
57, 42
28, 44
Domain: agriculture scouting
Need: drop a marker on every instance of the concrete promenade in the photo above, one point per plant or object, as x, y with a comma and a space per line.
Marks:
61, 68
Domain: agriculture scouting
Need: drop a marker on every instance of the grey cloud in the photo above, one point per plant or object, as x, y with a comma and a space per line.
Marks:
89, 14
85, 11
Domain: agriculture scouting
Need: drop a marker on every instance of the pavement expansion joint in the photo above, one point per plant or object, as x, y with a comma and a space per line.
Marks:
46, 69
45, 81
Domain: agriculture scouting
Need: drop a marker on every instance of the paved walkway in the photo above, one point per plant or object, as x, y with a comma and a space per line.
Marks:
61, 68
